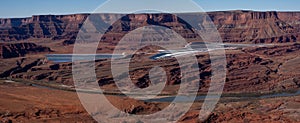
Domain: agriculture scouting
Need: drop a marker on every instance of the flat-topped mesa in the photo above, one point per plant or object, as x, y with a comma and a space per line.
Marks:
234, 26
41, 26
13, 22
252, 15
16, 22
264, 15
242, 16
290, 17
255, 27
61, 18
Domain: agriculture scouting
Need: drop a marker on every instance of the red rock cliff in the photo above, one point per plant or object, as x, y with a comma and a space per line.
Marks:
234, 26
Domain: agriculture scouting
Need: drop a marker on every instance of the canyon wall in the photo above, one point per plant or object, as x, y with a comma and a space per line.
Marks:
233, 26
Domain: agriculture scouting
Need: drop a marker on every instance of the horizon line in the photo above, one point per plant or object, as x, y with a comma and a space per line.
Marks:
229, 10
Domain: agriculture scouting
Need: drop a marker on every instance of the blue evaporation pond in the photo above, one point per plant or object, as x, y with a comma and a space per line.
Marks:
59, 58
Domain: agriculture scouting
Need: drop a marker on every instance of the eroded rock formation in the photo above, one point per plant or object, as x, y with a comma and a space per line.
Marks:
20, 49
234, 26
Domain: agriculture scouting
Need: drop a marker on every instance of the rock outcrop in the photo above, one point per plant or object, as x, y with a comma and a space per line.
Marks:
234, 26
20, 49
14, 66
256, 27
41, 26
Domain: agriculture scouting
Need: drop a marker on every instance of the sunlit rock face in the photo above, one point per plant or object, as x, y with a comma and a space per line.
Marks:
234, 26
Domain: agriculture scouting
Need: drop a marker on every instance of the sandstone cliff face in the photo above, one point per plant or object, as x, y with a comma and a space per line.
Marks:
234, 26
20, 49
258, 27
43, 26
